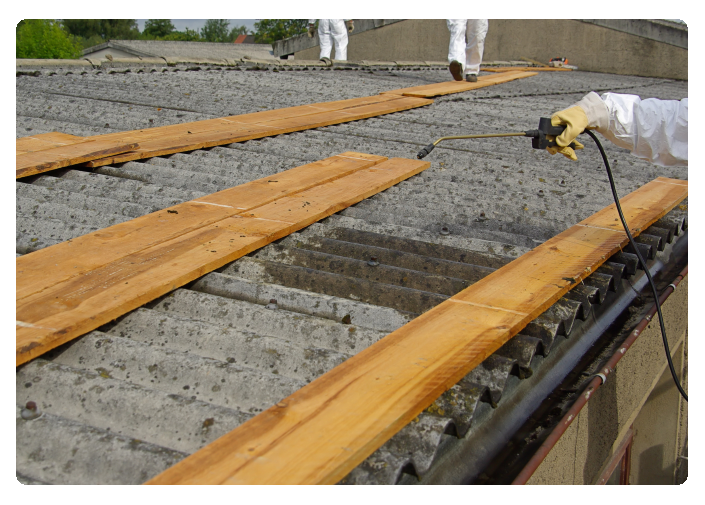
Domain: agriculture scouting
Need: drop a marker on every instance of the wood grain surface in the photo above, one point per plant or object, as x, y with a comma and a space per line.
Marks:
37, 162
240, 129
44, 141
448, 87
72, 303
77, 256
321, 432
526, 69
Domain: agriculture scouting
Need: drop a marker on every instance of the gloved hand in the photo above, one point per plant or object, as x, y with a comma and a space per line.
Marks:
588, 113
566, 151
350, 25
311, 30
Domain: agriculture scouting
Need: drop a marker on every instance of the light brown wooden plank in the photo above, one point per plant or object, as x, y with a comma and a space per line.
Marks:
526, 69
82, 303
273, 125
46, 267
229, 124
448, 87
50, 159
320, 433
44, 141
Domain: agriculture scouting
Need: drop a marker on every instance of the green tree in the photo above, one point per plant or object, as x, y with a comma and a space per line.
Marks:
216, 30
44, 38
237, 30
106, 29
155, 28
187, 35
268, 31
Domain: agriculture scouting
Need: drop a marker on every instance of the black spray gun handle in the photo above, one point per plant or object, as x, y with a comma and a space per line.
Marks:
539, 140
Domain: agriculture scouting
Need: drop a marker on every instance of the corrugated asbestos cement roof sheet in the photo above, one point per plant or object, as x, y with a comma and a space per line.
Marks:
121, 404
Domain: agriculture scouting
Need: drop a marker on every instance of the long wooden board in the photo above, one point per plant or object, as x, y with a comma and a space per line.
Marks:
448, 87
77, 304
36, 162
44, 141
321, 432
85, 253
170, 139
236, 131
526, 69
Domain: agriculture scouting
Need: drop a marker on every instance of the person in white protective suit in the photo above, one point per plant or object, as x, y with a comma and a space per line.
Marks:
467, 43
332, 31
652, 129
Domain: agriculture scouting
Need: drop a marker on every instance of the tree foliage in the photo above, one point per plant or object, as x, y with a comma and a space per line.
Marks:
156, 28
268, 31
116, 29
216, 30
44, 38
187, 35
237, 30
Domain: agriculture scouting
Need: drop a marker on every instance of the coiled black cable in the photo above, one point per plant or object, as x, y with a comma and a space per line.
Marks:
642, 262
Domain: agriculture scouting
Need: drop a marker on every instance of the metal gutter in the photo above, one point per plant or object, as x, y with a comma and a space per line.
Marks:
593, 386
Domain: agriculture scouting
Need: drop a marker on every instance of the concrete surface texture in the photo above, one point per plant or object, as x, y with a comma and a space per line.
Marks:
124, 402
178, 49
640, 393
627, 47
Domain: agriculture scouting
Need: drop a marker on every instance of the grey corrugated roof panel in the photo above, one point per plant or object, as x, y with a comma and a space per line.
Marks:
218, 329
184, 49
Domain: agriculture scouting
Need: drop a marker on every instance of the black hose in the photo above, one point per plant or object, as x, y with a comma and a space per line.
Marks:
643, 264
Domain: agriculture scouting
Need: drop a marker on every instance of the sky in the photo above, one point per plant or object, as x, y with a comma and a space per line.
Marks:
197, 24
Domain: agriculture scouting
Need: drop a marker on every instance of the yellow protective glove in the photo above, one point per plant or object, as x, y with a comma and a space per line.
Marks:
575, 121
351, 25
311, 30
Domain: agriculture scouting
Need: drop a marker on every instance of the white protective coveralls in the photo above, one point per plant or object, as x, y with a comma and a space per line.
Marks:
467, 43
653, 130
332, 31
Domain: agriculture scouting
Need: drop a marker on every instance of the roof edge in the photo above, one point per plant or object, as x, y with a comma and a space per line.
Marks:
652, 29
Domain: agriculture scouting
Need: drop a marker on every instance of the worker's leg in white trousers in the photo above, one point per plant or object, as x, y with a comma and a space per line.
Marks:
475, 33
325, 38
456, 47
340, 35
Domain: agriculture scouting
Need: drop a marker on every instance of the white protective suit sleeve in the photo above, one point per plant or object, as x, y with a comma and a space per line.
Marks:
653, 130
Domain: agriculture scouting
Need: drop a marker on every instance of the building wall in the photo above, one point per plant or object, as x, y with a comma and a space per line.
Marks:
640, 392
588, 46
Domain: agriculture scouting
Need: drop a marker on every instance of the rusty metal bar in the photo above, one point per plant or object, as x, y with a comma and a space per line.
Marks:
593, 385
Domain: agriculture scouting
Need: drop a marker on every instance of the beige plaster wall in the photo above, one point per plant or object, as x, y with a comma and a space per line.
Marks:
585, 448
588, 46
655, 445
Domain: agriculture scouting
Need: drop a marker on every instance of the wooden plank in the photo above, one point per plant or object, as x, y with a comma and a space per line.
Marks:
233, 123
526, 69
32, 163
80, 255
448, 87
320, 433
46, 141
79, 304
162, 140
273, 125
